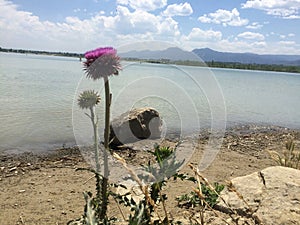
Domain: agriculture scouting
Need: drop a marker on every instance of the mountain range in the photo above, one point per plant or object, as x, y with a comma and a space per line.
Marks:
172, 53
209, 55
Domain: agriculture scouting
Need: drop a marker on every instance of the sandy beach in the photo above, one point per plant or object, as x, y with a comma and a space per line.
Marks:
44, 188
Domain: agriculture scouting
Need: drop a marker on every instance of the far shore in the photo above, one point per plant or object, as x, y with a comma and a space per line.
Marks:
211, 64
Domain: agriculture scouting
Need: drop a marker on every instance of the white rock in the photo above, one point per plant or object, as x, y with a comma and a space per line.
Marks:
273, 194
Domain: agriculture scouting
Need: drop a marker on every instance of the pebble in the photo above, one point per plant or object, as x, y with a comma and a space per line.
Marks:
241, 221
229, 220
12, 169
21, 191
9, 175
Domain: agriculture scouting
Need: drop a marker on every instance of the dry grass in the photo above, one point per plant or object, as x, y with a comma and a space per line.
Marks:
289, 157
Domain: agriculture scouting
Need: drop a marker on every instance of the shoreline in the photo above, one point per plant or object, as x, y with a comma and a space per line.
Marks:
257, 138
236, 128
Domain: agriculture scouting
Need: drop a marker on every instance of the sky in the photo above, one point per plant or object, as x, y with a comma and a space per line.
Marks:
256, 26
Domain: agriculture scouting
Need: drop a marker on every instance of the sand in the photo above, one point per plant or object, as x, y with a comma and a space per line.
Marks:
44, 188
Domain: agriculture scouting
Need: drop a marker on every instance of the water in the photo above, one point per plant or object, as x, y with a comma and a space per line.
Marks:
39, 112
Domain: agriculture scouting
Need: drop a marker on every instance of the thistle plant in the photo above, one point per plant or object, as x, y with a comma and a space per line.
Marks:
89, 100
100, 63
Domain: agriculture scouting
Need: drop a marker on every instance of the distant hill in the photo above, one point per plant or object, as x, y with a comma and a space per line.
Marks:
208, 55
172, 54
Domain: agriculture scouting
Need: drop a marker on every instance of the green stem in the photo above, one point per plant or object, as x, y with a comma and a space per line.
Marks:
107, 126
94, 120
95, 127
106, 149
164, 206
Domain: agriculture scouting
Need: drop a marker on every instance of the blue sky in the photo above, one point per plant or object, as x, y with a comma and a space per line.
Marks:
257, 26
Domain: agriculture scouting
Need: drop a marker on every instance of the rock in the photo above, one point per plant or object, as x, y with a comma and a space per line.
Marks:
273, 194
137, 124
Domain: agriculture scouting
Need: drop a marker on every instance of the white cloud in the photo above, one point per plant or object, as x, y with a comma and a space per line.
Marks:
198, 34
138, 21
255, 44
145, 5
142, 22
259, 44
287, 43
254, 26
282, 36
169, 27
287, 46
83, 10
224, 17
287, 9
227, 45
76, 10
251, 35
123, 2
22, 29
182, 9
242, 46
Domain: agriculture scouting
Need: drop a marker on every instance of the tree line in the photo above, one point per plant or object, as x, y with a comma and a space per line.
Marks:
23, 51
229, 65
254, 66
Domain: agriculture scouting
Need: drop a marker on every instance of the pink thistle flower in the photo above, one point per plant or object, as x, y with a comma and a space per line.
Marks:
101, 63
94, 54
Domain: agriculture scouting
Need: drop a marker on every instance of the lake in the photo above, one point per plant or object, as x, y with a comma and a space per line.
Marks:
38, 98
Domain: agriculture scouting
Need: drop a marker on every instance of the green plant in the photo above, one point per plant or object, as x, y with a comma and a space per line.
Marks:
89, 211
290, 157
92, 208
165, 168
192, 199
